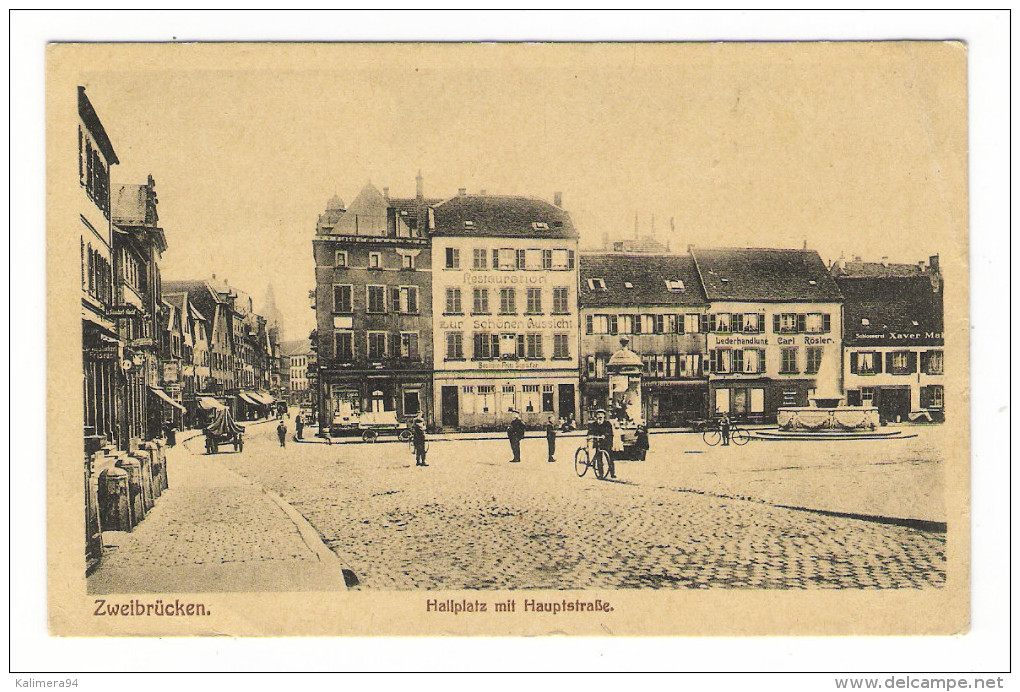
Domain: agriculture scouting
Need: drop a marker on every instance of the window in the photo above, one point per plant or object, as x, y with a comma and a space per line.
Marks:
561, 300
344, 346
374, 260
376, 346
866, 362
721, 322
570, 259
452, 258
534, 346
534, 306
692, 323
480, 259
343, 299
628, 324
627, 284
407, 261
340, 258
408, 297
785, 323
754, 360
547, 259
409, 345
453, 306
788, 365
534, 260
561, 346
931, 362
753, 323
722, 360
936, 396
507, 301
505, 259
412, 402
738, 360
560, 260
814, 359
901, 362
454, 346
596, 284
486, 346
508, 346
480, 301
867, 396
376, 299
813, 323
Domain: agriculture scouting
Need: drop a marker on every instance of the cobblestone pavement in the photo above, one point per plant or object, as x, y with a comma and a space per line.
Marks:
211, 530
472, 520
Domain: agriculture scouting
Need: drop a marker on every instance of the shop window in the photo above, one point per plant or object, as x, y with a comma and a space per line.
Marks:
757, 400
547, 401
722, 401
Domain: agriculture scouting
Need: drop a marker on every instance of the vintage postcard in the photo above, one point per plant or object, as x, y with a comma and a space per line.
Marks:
508, 339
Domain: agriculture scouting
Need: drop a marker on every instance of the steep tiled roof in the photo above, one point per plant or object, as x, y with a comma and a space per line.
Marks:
95, 126
891, 305
764, 275
200, 295
296, 348
878, 269
647, 276
502, 216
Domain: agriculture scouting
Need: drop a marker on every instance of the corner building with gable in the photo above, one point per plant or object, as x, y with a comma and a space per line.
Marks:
505, 309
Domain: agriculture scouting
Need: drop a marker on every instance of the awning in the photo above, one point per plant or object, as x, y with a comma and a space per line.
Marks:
165, 397
207, 402
266, 399
251, 398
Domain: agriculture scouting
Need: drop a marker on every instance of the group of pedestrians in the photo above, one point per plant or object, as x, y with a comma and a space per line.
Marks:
516, 432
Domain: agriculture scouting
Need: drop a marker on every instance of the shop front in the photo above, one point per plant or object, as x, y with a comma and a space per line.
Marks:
478, 401
348, 395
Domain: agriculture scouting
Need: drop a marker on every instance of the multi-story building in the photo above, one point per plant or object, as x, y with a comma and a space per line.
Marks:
893, 338
193, 372
213, 310
774, 329
176, 348
373, 275
297, 358
656, 301
101, 344
505, 301
138, 244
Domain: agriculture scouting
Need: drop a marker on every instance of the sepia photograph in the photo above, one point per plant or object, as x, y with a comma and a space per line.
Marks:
496, 339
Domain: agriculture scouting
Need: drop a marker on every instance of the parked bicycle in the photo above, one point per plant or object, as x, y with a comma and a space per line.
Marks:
713, 434
591, 457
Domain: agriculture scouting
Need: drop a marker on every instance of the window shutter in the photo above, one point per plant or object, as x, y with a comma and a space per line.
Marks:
738, 360
826, 323
494, 341
478, 346
521, 351
495, 259
888, 362
925, 397
925, 360
589, 324
775, 323
711, 323
912, 362
395, 299
853, 362
878, 362
801, 323
679, 324
738, 323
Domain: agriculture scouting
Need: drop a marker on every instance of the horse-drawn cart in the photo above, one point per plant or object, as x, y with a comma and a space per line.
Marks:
223, 429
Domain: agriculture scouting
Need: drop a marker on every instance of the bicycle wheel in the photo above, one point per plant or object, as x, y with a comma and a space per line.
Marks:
404, 436
581, 462
740, 436
601, 464
711, 437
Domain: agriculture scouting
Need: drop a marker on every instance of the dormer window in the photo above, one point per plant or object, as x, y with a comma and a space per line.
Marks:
865, 322
812, 282
627, 284
596, 284
724, 280
374, 260
469, 225
540, 226
676, 285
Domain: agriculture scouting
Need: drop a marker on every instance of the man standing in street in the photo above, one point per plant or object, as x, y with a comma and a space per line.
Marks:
299, 425
550, 436
418, 440
602, 429
516, 433
724, 429
281, 432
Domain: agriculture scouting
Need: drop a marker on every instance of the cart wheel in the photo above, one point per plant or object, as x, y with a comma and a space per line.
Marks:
404, 436
369, 436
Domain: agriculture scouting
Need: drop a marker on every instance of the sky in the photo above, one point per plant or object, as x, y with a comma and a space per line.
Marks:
852, 148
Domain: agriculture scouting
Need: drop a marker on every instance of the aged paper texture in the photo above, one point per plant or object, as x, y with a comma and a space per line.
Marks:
506, 339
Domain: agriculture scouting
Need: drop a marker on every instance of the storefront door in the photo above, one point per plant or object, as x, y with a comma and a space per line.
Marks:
566, 401
740, 403
893, 404
451, 407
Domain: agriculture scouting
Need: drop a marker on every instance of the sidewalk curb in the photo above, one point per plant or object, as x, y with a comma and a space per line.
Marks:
312, 539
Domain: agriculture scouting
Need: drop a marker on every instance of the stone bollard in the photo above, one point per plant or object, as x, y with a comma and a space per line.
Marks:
144, 460
134, 472
164, 480
114, 500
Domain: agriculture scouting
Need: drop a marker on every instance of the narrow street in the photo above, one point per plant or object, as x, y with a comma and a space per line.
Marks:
677, 520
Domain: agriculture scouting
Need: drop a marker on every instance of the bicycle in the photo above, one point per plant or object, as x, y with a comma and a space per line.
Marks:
713, 435
584, 459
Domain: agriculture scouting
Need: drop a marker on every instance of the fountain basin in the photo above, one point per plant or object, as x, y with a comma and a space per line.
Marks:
843, 418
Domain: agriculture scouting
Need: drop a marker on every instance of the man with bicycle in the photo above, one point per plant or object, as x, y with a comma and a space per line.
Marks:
602, 430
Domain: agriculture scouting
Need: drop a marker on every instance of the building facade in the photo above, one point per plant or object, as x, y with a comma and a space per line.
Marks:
657, 302
505, 304
138, 245
373, 274
774, 330
893, 338
297, 359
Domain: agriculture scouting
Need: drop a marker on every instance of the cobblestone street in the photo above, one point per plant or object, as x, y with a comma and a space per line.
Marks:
472, 520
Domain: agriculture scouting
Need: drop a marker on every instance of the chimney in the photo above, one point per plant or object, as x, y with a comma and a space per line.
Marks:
558, 199
214, 277
386, 192
461, 191
885, 260
920, 266
421, 213
672, 231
